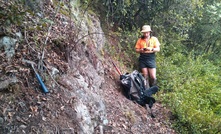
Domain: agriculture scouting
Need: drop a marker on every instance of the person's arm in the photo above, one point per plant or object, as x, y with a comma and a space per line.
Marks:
138, 50
156, 47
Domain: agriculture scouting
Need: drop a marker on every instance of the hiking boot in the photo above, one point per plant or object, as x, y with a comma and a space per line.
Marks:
153, 82
149, 111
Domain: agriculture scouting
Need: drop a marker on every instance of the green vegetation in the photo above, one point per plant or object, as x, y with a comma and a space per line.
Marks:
188, 64
192, 90
11, 13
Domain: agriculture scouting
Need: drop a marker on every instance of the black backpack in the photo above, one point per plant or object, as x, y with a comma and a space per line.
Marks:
134, 89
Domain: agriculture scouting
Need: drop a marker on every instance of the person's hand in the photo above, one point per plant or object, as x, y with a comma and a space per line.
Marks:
142, 50
148, 48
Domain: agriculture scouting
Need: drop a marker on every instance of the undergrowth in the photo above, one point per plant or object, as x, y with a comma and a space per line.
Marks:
191, 88
189, 84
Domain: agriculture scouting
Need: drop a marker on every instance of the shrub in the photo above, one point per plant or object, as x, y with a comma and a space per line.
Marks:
191, 87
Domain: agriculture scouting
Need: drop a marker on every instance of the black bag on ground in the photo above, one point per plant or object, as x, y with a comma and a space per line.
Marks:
134, 89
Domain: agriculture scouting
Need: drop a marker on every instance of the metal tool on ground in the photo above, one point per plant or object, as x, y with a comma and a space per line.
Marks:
44, 88
117, 68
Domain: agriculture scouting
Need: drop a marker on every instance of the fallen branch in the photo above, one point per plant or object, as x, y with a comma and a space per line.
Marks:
25, 33
40, 64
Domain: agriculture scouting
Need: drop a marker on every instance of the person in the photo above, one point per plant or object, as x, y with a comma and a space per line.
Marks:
147, 46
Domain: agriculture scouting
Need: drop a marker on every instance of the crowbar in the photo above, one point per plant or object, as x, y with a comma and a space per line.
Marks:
44, 88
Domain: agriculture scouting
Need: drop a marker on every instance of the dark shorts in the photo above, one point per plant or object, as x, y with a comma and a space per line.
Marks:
147, 61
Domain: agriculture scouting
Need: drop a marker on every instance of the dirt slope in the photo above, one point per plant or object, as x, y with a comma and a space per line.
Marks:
25, 109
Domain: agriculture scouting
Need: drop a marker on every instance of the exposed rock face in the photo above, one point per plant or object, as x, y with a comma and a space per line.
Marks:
85, 78
8, 44
86, 99
88, 107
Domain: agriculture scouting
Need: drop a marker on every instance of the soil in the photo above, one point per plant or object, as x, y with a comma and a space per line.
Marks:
24, 108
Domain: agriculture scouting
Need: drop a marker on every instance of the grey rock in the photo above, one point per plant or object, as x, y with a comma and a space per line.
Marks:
6, 83
9, 46
23, 126
1, 120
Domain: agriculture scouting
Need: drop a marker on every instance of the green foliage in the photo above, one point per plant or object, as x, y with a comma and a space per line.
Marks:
191, 87
127, 42
124, 51
205, 33
189, 83
12, 12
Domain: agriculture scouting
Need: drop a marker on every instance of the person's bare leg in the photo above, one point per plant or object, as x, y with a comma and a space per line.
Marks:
152, 73
144, 72
146, 76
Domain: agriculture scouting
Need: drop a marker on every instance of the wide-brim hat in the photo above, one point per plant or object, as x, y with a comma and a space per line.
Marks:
146, 28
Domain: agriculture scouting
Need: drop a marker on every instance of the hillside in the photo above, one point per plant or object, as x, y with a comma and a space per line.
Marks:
84, 91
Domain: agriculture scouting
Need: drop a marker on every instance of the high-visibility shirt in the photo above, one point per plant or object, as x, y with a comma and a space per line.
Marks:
152, 43
147, 59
